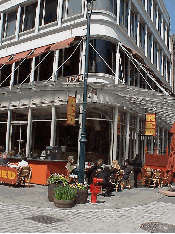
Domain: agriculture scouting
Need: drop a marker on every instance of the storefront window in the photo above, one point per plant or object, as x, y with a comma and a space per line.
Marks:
107, 51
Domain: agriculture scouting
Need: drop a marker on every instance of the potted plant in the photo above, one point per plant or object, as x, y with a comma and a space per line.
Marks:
64, 196
53, 181
82, 193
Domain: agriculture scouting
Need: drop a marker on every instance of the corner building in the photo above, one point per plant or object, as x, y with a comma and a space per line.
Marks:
42, 57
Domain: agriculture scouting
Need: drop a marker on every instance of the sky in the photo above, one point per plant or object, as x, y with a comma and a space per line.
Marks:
170, 5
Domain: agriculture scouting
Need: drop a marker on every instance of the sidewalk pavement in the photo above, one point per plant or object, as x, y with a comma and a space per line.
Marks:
28, 210
38, 196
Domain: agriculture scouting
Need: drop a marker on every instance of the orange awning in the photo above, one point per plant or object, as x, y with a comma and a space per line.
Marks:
39, 51
19, 56
4, 59
62, 44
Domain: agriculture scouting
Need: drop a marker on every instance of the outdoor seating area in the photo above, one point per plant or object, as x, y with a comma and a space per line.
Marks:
154, 177
18, 176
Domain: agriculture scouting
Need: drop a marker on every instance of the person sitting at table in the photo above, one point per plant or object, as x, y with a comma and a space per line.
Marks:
71, 167
23, 163
105, 175
4, 159
127, 171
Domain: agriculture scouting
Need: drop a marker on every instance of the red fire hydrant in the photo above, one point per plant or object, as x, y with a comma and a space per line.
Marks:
95, 189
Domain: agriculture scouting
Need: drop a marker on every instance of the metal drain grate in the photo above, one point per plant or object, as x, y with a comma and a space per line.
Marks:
155, 227
44, 219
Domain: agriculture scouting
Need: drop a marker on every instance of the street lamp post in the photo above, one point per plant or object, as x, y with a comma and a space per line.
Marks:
83, 131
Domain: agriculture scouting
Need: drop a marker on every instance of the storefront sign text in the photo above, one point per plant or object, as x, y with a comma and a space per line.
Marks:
150, 125
71, 106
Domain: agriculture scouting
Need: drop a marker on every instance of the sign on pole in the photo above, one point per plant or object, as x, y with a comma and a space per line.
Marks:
71, 106
150, 125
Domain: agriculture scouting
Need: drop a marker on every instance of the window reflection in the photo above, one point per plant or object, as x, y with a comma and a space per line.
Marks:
27, 21
104, 5
10, 23
71, 8
48, 11
107, 50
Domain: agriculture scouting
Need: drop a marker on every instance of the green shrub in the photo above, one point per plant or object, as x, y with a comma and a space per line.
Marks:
65, 192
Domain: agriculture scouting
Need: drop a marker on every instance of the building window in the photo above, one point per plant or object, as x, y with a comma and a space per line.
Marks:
48, 12
155, 13
136, 25
142, 35
71, 8
149, 45
4, 73
164, 30
71, 67
22, 71
143, 1
10, 23
96, 64
160, 61
122, 12
168, 38
126, 14
132, 23
168, 72
27, 19
104, 5
159, 23
45, 69
149, 7
155, 53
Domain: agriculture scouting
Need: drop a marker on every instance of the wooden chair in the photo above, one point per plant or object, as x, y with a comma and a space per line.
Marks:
24, 175
126, 183
147, 175
119, 183
157, 178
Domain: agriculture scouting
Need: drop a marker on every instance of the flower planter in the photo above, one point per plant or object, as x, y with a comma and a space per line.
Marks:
51, 192
81, 196
63, 203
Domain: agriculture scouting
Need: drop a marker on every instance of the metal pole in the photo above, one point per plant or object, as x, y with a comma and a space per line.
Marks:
83, 131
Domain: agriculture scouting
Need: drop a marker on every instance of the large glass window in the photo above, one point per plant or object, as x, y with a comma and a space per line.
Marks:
4, 73
107, 50
71, 67
10, 23
28, 17
74, 7
48, 12
22, 71
45, 69
104, 5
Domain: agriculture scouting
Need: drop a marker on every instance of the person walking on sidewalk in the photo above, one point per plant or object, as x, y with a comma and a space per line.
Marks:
137, 165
